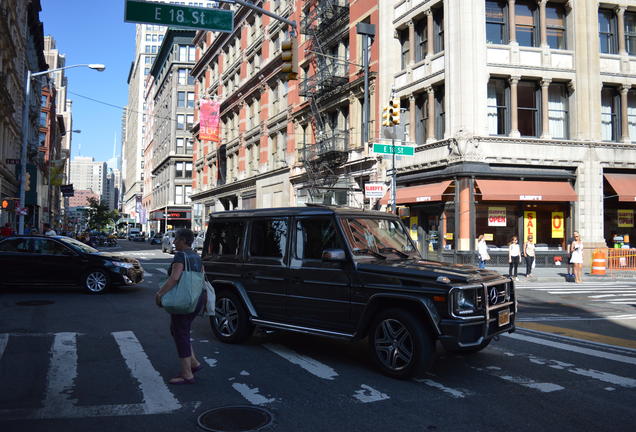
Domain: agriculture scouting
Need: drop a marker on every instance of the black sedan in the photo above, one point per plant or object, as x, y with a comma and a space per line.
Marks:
59, 260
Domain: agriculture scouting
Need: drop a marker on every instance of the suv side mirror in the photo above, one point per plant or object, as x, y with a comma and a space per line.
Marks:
334, 255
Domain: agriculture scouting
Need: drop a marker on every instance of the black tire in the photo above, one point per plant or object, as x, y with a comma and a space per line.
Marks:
96, 281
472, 350
400, 344
231, 323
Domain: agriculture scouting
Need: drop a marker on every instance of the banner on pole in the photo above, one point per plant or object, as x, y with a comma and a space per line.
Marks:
209, 115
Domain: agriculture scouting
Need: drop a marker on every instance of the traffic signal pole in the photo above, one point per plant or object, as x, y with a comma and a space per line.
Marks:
393, 173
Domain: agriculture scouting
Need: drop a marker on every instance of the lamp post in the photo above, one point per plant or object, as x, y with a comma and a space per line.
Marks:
25, 128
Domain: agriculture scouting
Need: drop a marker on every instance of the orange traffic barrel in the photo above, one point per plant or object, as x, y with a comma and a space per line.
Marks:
599, 261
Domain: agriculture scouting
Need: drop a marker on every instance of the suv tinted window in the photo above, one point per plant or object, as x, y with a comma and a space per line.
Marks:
314, 235
268, 238
226, 238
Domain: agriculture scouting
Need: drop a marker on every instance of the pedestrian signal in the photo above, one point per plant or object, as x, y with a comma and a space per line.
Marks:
394, 111
8, 204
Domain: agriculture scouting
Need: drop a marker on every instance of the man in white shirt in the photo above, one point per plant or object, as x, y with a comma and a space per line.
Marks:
48, 231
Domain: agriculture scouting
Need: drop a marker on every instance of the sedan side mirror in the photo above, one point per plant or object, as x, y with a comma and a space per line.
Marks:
334, 255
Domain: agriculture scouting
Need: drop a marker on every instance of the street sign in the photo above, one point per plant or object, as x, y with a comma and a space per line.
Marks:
400, 150
12, 161
22, 211
137, 11
374, 190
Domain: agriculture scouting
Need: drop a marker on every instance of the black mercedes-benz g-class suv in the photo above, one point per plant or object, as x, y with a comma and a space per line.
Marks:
349, 273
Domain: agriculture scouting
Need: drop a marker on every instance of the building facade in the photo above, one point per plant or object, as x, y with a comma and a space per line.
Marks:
87, 174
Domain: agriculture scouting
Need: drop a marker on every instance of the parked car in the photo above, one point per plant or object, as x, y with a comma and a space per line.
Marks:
348, 273
134, 232
197, 244
167, 242
58, 260
156, 238
140, 237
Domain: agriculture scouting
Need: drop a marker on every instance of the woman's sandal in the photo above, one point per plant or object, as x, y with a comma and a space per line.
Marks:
198, 368
181, 380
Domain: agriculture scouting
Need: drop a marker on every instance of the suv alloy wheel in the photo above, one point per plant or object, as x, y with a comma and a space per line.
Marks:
399, 343
230, 322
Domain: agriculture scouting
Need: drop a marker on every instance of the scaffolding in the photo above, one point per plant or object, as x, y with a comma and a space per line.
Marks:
323, 19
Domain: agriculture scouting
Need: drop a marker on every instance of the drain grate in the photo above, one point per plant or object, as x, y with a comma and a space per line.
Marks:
34, 302
235, 419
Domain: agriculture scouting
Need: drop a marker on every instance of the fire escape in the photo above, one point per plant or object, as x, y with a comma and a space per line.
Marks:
324, 19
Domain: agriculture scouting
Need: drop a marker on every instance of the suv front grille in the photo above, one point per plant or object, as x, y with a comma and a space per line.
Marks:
498, 294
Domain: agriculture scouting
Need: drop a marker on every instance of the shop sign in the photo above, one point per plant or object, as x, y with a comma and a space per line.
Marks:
423, 198
489, 237
448, 236
626, 218
374, 190
529, 225
413, 227
209, 115
496, 216
530, 197
557, 225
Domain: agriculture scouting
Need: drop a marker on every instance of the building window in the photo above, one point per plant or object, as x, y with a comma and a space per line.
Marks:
43, 118
180, 145
610, 107
182, 76
421, 40
146, 71
190, 100
525, 22
404, 48
528, 96
180, 121
178, 195
187, 192
189, 121
438, 33
631, 114
498, 95
630, 33
558, 110
607, 31
555, 26
183, 53
440, 113
421, 118
496, 22
181, 99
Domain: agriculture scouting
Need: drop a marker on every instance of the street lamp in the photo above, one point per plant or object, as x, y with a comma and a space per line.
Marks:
25, 127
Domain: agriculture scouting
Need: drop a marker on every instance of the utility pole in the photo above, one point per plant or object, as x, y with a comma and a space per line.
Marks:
367, 31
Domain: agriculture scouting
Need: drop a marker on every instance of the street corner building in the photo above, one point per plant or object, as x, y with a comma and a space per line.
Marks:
521, 115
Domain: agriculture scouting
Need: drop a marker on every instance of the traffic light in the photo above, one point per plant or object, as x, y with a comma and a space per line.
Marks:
394, 111
27, 186
386, 118
289, 56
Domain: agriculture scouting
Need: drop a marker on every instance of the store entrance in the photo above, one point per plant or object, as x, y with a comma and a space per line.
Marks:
425, 224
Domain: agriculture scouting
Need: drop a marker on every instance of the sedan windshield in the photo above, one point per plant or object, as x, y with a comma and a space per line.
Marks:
78, 245
379, 238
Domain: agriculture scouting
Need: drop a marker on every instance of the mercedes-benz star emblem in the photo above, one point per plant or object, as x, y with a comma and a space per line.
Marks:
493, 295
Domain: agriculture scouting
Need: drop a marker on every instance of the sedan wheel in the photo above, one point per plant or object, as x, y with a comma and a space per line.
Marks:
96, 281
230, 323
400, 344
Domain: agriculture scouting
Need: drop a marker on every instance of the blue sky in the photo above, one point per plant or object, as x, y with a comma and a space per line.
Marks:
93, 32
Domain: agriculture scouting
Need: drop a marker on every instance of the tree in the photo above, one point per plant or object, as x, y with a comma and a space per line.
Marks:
99, 216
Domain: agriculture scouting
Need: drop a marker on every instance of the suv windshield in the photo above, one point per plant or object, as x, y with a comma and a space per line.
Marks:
78, 245
380, 238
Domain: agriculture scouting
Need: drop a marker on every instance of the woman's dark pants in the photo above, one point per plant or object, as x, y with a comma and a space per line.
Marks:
514, 263
180, 325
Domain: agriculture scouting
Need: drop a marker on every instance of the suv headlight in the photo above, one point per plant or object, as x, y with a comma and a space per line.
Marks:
465, 301
125, 265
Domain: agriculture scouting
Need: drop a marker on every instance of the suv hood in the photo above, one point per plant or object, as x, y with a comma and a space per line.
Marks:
431, 270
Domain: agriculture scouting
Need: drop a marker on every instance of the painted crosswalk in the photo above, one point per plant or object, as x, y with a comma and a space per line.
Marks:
617, 293
513, 364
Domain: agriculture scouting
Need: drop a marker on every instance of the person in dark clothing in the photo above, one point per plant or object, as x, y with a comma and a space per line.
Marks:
180, 324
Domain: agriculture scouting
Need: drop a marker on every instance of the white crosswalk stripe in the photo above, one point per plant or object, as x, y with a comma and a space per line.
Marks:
619, 293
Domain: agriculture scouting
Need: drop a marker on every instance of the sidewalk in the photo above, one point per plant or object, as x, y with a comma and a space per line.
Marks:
558, 274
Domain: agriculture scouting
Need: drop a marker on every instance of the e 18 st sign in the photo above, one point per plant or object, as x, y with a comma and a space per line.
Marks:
179, 16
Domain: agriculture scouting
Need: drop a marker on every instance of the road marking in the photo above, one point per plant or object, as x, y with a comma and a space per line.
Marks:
576, 318
590, 292
368, 394
543, 387
632, 302
573, 348
156, 396
252, 395
578, 334
4, 338
210, 361
451, 391
61, 375
312, 366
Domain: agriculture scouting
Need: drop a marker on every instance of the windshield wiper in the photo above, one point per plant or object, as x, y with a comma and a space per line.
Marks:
370, 252
394, 250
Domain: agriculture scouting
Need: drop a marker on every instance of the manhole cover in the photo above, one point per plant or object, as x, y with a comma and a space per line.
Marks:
235, 419
34, 302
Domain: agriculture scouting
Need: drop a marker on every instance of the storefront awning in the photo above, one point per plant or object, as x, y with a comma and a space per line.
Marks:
418, 194
518, 190
624, 185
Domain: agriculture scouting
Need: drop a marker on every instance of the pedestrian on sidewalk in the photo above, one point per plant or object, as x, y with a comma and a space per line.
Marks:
513, 257
528, 253
576, 252
180, 324
569, 257
6, 231
482, 250
47, 230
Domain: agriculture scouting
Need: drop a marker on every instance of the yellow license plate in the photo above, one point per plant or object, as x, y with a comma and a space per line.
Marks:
504, 317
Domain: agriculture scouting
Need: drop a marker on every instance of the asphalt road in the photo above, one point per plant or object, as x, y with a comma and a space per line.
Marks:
101, 363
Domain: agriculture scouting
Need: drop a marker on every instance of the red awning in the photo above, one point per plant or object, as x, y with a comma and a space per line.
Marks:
518, 190
418, 194
624, 185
